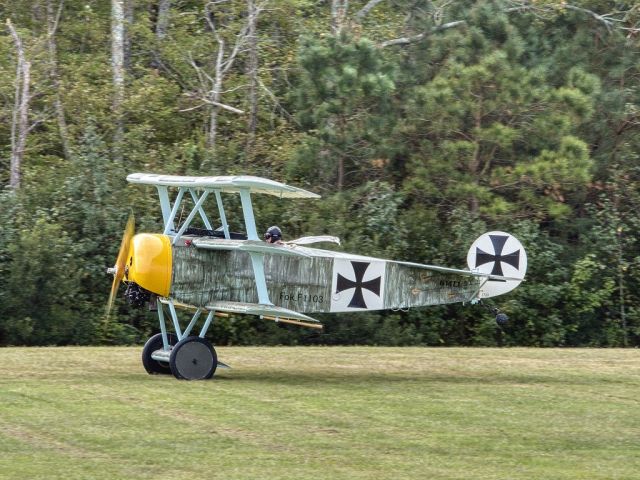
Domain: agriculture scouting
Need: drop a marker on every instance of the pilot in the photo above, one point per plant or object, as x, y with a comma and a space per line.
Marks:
273, 235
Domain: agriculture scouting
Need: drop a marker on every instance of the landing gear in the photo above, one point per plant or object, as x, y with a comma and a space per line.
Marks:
154, 367
193, 358
190, 358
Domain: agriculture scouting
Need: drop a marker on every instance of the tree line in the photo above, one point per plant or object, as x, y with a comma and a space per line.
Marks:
421, 123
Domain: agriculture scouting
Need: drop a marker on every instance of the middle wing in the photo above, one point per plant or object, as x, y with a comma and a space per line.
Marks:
251, 246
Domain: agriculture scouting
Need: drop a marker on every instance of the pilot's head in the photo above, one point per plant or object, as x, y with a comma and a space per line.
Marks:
273, 235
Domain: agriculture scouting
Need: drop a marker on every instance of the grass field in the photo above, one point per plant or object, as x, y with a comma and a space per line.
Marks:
334, 413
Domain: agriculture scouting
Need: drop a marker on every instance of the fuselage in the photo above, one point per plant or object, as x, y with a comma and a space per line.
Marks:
313, 280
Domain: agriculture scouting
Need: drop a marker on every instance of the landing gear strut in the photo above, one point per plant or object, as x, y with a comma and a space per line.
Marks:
186, 356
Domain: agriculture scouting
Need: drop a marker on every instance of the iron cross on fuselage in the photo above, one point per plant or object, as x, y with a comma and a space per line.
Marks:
373, 285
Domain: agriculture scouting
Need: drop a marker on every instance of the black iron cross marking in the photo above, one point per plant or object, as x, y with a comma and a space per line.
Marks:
498, 242
359, 269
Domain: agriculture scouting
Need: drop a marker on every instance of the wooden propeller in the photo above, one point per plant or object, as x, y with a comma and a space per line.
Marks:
123, 254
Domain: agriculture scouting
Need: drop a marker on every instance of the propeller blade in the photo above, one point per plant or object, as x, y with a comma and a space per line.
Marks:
123, 254
112, 295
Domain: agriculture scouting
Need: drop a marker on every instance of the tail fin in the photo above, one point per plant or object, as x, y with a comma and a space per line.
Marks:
498, 253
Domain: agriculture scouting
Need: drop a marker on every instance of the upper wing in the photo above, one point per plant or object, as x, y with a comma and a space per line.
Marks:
223, 184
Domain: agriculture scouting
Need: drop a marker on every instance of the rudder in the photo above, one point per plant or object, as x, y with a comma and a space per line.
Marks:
498, 253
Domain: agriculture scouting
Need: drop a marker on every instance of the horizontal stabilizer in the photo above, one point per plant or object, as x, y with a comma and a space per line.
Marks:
251, 246
469, 273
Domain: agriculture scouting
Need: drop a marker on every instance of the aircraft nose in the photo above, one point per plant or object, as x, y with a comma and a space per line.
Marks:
150, 263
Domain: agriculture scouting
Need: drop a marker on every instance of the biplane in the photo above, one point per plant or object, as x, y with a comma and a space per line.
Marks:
211, 271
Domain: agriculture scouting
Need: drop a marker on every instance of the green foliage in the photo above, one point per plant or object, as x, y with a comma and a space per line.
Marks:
43, 286
343, 101
525, 121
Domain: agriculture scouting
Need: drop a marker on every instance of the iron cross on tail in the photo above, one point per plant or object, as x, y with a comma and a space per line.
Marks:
201, 266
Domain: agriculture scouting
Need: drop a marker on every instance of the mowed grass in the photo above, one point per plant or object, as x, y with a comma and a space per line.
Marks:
334, 413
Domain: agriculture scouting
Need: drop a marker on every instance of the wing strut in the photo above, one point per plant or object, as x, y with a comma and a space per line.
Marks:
194, 210
257, 259
223, 217
165, 206
249, 219
203, 215
168, 224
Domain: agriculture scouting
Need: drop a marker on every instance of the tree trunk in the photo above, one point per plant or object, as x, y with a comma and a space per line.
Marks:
117, 64
341, 121
474, 164
53, 18
20, 117
339, 10
211, 87
129, 19
17, 154
252, 73
213, 129
365, 10
214, 99
162, 23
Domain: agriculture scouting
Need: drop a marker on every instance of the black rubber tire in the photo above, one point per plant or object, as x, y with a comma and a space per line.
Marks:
193, 358
153, 367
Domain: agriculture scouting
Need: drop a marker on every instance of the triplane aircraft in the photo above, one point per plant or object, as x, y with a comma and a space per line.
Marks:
215, 272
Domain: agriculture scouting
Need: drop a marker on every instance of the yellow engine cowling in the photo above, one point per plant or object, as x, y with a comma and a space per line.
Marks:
150, 262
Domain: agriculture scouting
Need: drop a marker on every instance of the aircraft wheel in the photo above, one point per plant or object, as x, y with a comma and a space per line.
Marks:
154, 343
193, 358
